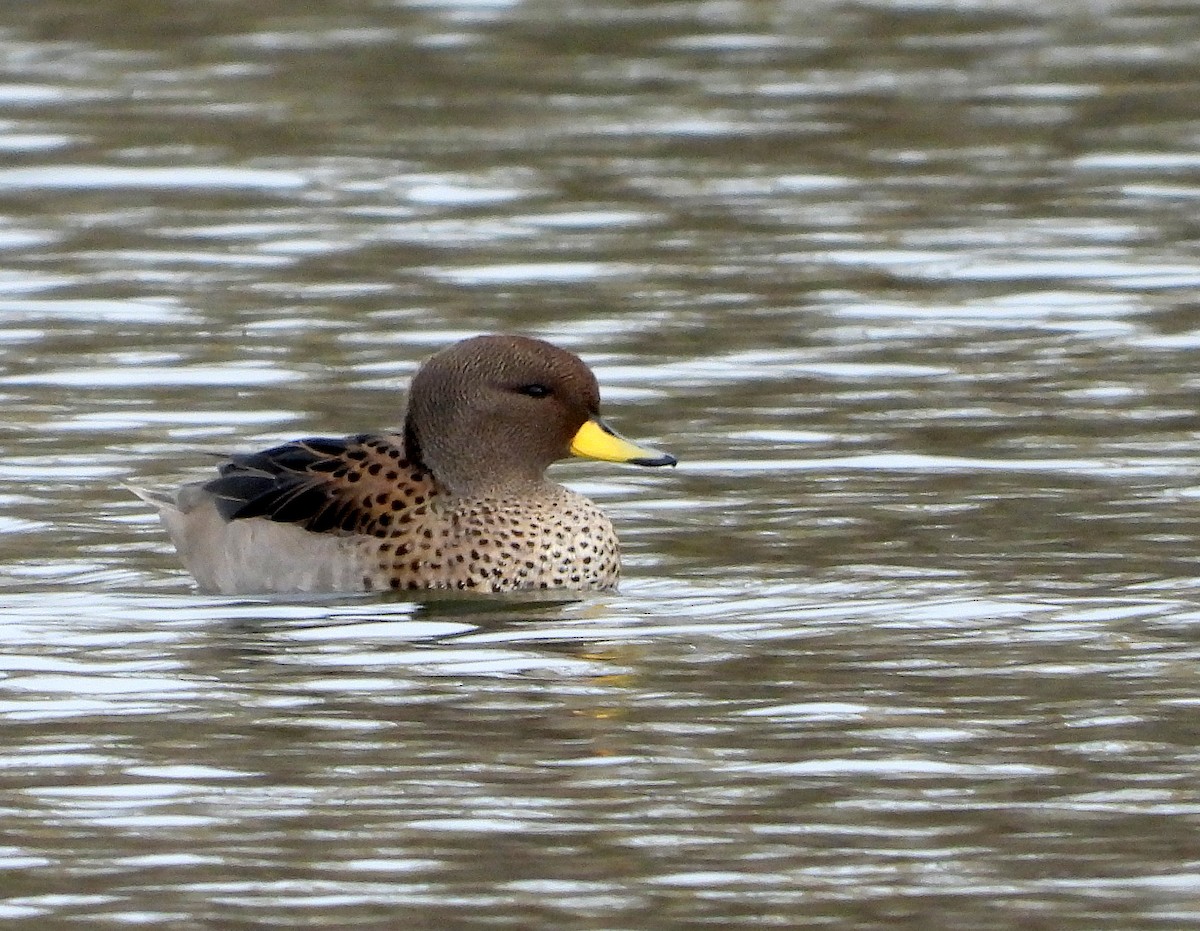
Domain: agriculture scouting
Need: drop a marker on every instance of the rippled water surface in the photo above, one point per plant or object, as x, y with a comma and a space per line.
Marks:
909, 639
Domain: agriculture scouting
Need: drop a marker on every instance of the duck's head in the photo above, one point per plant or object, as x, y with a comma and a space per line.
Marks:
493, 412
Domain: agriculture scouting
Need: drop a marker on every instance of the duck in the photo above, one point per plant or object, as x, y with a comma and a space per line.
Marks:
455, 500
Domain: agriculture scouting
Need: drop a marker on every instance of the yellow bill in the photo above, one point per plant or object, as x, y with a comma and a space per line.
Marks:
597, 440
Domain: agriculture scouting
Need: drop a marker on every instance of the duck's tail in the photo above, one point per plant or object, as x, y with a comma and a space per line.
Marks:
161, 500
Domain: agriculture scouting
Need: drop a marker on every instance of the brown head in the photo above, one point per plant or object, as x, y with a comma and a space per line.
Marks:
493, 412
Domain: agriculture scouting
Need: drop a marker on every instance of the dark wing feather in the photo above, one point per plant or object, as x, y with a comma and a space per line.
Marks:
357, 484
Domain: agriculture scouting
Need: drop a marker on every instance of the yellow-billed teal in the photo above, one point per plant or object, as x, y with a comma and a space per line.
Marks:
455, 500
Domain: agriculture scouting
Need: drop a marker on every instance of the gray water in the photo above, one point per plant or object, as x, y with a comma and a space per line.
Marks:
908, 640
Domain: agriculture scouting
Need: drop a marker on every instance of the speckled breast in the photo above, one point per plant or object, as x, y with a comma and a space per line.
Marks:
558, 541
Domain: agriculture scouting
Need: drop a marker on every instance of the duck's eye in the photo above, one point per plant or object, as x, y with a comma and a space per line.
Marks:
534, 390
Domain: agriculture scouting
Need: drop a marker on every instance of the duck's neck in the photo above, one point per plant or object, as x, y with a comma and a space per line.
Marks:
456, 477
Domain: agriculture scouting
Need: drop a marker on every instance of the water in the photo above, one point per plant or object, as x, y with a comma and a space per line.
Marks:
908, 640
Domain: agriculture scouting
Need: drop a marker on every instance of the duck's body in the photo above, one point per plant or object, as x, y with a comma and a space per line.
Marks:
356, 514
457, 500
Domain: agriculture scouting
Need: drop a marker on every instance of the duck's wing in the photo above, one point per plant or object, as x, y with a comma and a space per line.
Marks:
357, 484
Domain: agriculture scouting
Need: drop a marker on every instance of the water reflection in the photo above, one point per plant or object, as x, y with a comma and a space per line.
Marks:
607, 730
